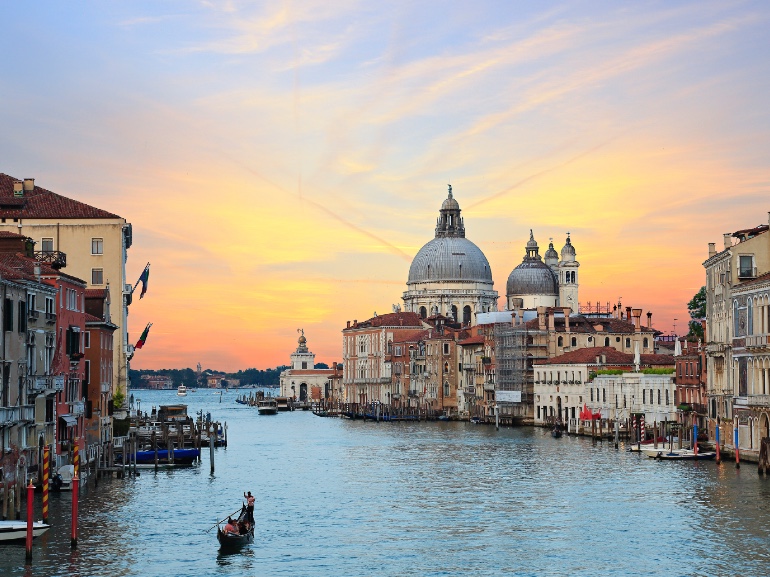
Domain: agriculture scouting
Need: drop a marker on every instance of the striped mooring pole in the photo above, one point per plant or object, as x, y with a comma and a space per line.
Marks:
76, 456
46, 474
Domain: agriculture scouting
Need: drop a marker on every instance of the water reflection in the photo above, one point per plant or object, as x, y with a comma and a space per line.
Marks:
338, 497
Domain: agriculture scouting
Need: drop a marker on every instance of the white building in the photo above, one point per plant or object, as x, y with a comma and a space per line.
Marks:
303, 381
604, 380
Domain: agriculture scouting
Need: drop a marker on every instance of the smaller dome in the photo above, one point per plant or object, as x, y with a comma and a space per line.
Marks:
532, 277
531, 243
551, 256
568, 251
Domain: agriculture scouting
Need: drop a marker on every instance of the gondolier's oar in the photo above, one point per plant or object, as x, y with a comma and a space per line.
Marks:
226, 517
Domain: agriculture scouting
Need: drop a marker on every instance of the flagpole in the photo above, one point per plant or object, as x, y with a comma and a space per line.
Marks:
140, 277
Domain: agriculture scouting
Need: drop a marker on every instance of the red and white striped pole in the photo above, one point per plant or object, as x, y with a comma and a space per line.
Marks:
46, 473
30, 501
75, 483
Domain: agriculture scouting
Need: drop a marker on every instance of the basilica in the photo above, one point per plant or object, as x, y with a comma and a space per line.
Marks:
450, 276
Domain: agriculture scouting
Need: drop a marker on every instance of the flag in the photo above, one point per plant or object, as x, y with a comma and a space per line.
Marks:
145, 276
143, 338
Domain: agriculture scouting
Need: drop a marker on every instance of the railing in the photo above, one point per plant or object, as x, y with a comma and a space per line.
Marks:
759, 400
9, 414
27, 413
469, 366
55, 258
33, 314
105, 388
50, 317
77, 408
756, 341
489, 386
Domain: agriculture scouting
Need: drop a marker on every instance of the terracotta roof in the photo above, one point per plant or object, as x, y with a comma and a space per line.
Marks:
612, 357
42, 203
411, 336
9, 234
24, 267
402, 319
93, 319
477, 340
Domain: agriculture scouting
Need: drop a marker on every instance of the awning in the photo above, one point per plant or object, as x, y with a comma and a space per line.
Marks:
69, 420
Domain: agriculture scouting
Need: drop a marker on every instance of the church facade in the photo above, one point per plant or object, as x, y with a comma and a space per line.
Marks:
303, 381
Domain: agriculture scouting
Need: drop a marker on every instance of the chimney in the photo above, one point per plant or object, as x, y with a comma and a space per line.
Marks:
649, 320
566, 318
727, 236
29, 184
37, 271
637, 313
598, 360
551, 321
348, 324
18, 188
541, 318
628, 314
712, 249
604, 359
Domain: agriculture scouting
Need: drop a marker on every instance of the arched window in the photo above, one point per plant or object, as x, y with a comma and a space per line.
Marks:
423, 312
574, 341
446, 389
454, 312
736, 319
466, 315
628, 343
749, 318
646, 342
606, 341
560, 341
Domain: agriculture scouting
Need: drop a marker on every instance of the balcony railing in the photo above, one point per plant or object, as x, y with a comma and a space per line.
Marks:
759, 341
55, 258
50, 317
9, 414
759, 400
33, 314
77, 408
105, 388
469, 366
27, 413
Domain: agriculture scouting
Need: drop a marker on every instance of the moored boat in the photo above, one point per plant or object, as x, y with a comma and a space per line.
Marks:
679, 454
17, 530
556, 433
245, 536
178, 457
267, 406
282, 404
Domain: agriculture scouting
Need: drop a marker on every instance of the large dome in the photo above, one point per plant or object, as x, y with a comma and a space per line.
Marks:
532, 277
450, 258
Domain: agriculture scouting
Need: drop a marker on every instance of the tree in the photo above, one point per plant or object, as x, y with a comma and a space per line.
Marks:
697, 309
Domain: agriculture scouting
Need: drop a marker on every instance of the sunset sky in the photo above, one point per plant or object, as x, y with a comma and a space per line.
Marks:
282, 162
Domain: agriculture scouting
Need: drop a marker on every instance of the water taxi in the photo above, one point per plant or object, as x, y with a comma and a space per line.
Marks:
267, 406
182, 391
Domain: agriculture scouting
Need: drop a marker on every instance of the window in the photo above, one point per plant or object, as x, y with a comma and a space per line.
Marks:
606, 341
86, 376
667, 396
592, 394
97, 246
398, 351
574, 341
8, 315
304, 364
644, 396
21, 326
97, 276
561, 342
646, 343
46, 245
446, 348
749, 317
87, 339
604, 395
628, 343
658, 396
745, 266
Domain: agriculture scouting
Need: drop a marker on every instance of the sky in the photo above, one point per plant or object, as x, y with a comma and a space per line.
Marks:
282, 162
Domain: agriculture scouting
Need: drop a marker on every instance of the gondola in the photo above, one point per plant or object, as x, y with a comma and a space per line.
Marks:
229, 541
556, 432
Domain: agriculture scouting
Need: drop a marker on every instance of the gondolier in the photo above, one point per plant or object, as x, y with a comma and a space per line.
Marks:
249, 506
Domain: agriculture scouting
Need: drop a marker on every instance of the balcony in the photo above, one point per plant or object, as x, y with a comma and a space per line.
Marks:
489, 386
9, 415
469, 366
55, 258
27, 413
105, 388
759, 400
77, 408
756, 341
33, 314
50, 318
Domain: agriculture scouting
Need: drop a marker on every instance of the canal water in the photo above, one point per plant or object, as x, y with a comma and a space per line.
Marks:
349, 498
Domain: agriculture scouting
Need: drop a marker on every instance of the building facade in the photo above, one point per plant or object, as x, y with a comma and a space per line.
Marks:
302, 381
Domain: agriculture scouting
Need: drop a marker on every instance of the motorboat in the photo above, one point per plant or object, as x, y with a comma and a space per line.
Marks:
182, 391
177, 457
679, 454
17, 530
268, 406
62, 479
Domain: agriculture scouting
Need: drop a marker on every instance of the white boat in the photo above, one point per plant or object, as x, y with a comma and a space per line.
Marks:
62, 479
17, 530
678, 454
267, 406
182, 391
